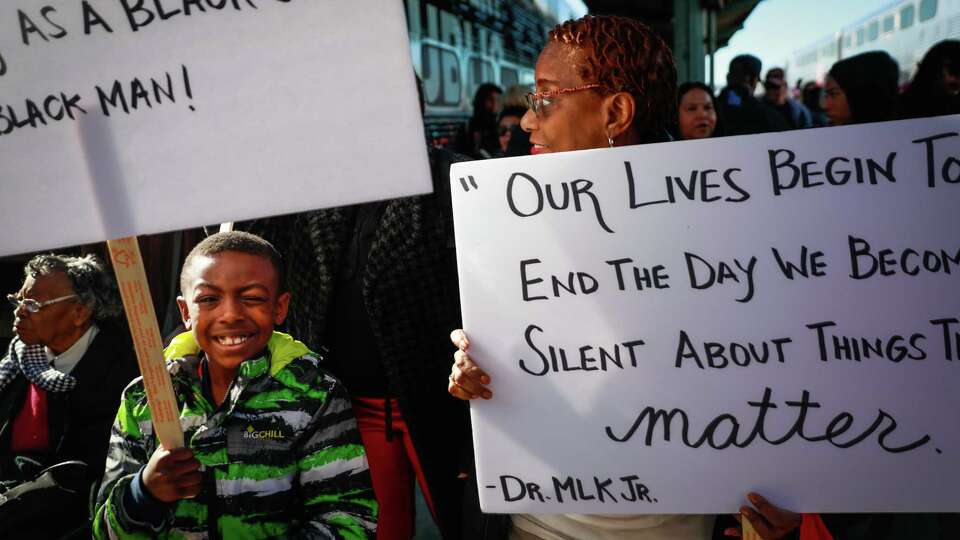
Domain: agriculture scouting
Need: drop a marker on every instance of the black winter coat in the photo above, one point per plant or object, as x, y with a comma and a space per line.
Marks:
79, 423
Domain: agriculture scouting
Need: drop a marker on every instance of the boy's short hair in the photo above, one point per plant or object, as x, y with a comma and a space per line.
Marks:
239, 241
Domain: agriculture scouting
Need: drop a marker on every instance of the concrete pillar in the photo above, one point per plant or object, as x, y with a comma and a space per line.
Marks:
689, 37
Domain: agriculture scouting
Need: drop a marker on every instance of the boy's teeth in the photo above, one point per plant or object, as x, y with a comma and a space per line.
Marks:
232, 340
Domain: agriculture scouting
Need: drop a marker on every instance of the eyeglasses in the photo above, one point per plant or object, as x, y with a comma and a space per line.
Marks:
32, 305
536, 101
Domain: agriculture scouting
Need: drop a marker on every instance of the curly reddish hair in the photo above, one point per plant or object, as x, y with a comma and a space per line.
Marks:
624, 55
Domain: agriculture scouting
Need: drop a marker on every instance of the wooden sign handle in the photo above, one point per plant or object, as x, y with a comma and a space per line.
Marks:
747, 530
138, 305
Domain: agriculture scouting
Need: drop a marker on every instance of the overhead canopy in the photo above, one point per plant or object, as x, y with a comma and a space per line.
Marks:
730, 18
659, 13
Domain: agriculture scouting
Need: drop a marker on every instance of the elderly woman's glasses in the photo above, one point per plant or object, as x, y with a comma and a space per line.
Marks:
32, 305
536, 101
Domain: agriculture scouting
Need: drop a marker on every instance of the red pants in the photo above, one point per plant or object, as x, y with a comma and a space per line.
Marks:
393, 463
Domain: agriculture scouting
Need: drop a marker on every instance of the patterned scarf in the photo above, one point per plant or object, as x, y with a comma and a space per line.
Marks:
31, 360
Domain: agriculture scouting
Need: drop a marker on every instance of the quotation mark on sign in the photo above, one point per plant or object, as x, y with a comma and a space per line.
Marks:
463, 182
124, 258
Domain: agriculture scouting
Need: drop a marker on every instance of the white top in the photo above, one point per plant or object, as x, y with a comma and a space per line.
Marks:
68, 359
616, 527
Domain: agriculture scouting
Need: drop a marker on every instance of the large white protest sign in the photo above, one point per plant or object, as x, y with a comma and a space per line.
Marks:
123, 117
670, 326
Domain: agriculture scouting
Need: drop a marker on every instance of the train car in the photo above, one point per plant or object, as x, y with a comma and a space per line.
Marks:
906, 29
458, 45
813, 61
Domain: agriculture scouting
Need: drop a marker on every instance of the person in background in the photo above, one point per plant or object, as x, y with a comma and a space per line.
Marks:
811, 95
696, 114
60, 385
739, 111
861, 89
935, 89
776, 97
515, 96
481, 139
513, 140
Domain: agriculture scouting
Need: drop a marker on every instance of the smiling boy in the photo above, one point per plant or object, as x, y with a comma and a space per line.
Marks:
272, 447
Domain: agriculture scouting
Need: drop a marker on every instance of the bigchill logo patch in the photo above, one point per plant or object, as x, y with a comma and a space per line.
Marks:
252, 433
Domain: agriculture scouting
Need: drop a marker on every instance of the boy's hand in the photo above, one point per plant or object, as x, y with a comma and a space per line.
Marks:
171, 475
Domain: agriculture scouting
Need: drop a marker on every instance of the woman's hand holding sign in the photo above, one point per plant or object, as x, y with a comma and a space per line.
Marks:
467, 380
769, 521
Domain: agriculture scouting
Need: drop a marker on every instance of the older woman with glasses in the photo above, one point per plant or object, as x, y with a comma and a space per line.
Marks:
60, 385
603, 82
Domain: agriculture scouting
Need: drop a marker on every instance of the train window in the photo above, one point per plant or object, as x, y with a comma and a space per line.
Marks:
906, 16
848, 41
508, 77
873, 30
481, 71
928, 10
861, 33
888, 24
442, 84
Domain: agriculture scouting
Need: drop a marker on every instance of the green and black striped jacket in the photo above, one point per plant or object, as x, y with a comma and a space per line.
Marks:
281, 456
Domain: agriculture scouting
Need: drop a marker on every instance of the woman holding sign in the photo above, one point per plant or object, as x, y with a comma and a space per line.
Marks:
604, 81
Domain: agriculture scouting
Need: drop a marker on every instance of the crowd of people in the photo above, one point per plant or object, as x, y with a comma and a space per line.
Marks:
859, 89
322, 430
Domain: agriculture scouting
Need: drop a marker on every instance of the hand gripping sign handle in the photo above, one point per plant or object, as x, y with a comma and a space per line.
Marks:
138, 305
747, 531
